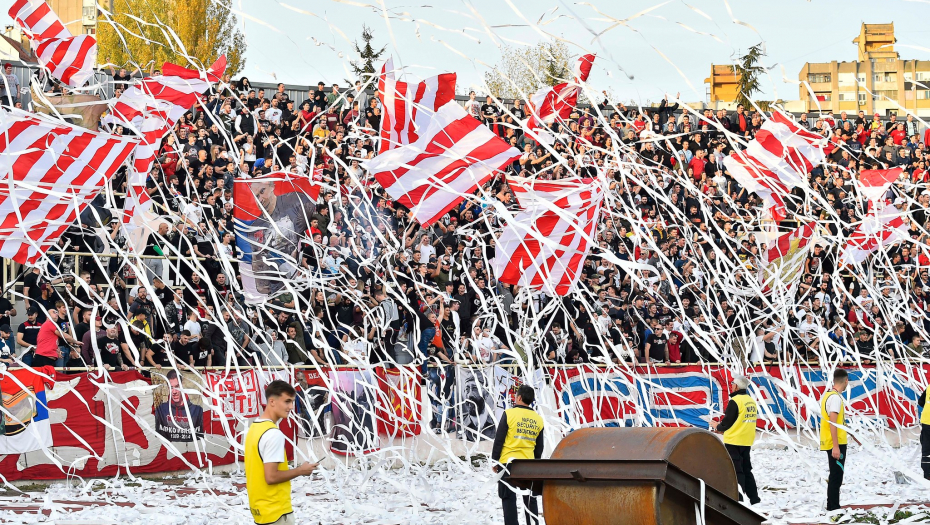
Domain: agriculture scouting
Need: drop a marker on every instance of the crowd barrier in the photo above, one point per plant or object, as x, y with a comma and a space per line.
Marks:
91, 424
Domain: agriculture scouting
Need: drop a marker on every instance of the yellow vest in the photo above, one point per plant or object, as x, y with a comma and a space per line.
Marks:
266, 502
826, 440
523, 427
925, 415
743, 431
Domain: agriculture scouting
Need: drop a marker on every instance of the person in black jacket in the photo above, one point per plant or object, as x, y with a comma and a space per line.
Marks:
924, 434
739, 433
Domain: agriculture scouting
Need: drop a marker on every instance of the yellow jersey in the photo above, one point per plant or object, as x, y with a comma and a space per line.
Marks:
743, 431
523, 428
925, 415
826, 440
266, 502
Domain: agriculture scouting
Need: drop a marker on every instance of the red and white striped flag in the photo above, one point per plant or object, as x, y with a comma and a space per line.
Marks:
552, 103
776, 161
545, 245
449, 161
151, 107
788, 243
880, 227
51, 171
68, 58
785, 258
407, 108
874, 184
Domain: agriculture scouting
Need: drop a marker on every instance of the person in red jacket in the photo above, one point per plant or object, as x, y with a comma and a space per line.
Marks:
697, 165
898, 135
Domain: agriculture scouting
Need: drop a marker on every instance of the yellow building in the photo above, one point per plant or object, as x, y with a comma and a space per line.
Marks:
79, 16
877, 82
722, 84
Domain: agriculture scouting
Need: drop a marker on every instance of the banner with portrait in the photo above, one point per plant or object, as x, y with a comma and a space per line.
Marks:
178, 405
476, 402
312, 403
354, 396
272, 216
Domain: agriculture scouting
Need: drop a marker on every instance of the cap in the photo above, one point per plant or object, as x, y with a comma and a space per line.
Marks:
31, 311
877, 115
7, 64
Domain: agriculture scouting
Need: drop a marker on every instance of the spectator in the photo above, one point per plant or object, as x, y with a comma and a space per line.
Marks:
9, 88
7, 347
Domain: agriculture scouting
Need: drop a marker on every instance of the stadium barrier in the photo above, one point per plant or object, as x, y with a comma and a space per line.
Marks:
61, 424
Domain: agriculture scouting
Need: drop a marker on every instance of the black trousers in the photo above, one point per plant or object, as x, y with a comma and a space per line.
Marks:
743, 465
925, 450
509, 503
41, 360
837, 468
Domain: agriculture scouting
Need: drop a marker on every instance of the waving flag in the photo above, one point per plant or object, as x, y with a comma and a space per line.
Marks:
69, 58
24, 422
776, 161
874, 184
448, 161
50, 172
880, 227
784, 259
151, 107
272, 216
556, 102
407, 108
546, 244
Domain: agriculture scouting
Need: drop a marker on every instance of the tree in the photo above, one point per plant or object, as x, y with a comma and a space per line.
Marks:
748, 71
364, 68
523, 70
142, 32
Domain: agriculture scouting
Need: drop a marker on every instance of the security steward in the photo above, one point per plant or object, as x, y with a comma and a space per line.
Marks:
267, 477
519, 436
833, 436
925, 432
739, 433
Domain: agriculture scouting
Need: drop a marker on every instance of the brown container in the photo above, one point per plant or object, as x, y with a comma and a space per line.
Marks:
637, 476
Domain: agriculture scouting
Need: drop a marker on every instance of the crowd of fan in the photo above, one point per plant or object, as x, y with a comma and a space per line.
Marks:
374, 286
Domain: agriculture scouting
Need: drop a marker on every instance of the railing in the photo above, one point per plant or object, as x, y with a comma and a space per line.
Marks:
509, 366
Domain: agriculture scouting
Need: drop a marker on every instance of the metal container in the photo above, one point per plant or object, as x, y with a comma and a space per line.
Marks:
637, 476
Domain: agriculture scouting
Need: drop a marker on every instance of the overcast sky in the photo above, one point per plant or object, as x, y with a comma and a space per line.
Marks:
665, 46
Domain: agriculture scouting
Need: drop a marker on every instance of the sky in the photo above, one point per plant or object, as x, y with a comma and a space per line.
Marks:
644, 48
665, 46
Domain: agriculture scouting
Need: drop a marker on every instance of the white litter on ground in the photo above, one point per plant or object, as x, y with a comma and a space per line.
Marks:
792, 485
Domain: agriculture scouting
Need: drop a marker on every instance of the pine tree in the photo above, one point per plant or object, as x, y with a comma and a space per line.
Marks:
365, 67
748, 70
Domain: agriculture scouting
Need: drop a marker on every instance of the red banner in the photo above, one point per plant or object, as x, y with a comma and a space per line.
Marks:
86, 446
400, 407
162, 429
236, 393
